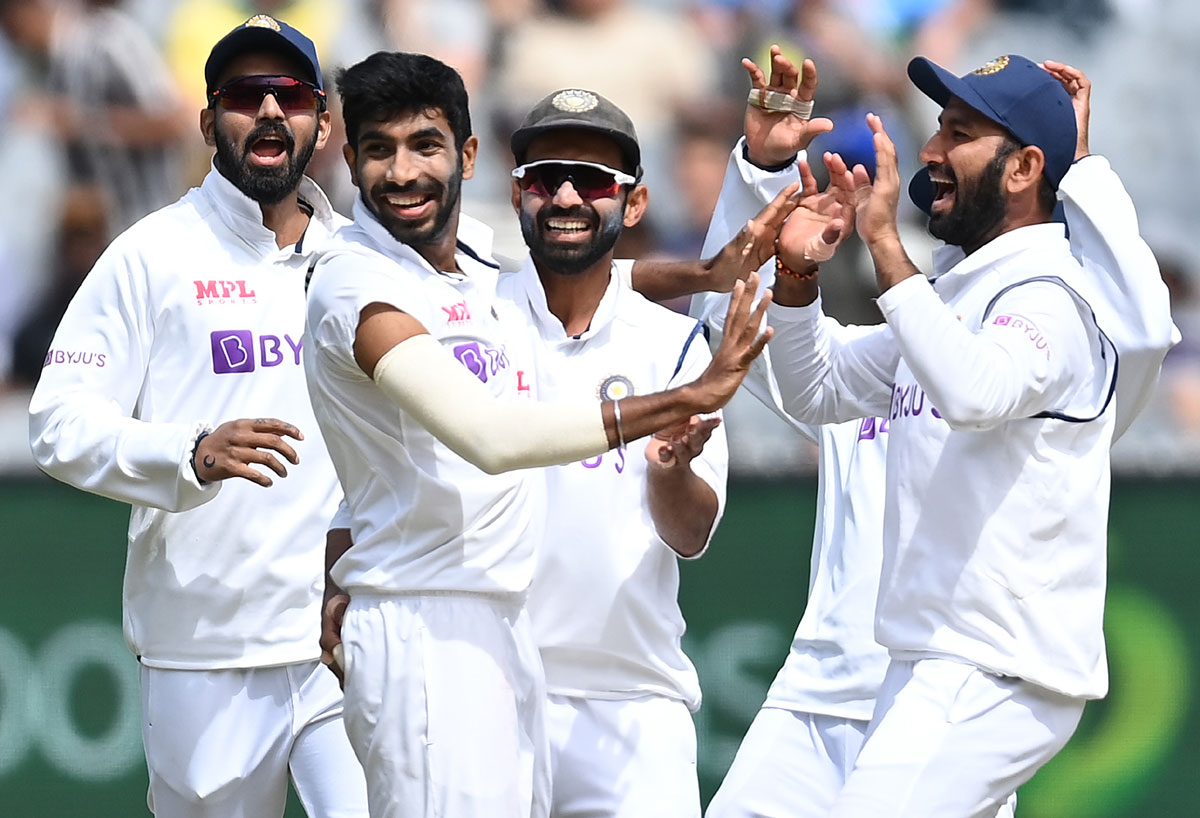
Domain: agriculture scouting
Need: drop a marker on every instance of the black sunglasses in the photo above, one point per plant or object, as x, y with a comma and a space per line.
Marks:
246, 94
591, 180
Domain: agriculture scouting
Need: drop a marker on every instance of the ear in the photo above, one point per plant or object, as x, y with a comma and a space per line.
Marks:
351, 157
324, 128
1025, 168
516, 196
470, 149
208, 126
635, 205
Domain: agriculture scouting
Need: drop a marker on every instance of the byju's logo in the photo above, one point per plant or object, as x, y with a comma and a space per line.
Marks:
482, 362
233, 350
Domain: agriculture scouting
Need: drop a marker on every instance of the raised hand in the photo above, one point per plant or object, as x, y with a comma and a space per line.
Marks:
754, 244
822, 220
774, 137
229, 450
1079, 87
740, 344
676, 446
877, 202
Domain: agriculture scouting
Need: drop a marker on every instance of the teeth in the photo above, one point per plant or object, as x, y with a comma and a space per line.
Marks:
404, 201
567, 224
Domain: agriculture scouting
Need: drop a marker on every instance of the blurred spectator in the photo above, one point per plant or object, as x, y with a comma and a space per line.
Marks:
82, 235
701, 155
113, 104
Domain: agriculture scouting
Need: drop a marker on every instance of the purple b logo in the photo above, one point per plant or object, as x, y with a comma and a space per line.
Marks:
232, 351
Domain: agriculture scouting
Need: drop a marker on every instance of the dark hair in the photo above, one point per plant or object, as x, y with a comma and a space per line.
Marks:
390, 84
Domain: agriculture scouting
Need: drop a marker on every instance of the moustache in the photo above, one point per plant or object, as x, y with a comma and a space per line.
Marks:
270, 129
428, 188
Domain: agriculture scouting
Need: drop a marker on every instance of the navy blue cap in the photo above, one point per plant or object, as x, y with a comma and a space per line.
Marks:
263, 33
1019, 96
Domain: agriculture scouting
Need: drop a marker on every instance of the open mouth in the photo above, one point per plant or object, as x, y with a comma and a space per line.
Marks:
269, 150
409, 205
944, 188
567, 228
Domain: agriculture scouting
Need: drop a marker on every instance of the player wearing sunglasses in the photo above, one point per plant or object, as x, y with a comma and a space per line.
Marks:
420, 377
603, 601
192, 316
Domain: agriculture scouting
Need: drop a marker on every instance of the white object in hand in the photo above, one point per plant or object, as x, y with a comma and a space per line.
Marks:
339, 656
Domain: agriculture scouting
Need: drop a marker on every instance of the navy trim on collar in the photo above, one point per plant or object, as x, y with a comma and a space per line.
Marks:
462, 246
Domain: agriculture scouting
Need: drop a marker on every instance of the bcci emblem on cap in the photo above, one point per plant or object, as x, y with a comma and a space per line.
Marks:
615, 387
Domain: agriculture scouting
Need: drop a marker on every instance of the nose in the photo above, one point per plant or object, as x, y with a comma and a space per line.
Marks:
567, 195
269, 107
401, 170
931, 152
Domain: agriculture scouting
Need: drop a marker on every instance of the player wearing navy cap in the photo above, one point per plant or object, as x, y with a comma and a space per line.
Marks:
997, 382
192, 316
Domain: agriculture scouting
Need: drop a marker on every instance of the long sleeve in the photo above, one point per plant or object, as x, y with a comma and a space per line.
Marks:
83, 418
827, 373
745, 190
1133, 306
1032, 354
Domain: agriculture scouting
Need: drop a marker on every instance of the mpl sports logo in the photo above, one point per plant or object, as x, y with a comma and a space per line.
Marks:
234, 351
215, 291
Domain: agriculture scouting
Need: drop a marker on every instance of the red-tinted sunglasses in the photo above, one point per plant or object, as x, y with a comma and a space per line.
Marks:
246, 94
591, 180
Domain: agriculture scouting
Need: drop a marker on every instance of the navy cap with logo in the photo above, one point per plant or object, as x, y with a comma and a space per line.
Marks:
586, 110
1015, 93
263, 33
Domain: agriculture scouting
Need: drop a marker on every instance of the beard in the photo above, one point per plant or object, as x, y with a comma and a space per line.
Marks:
416, 235
570, 259
979, 209
266, 186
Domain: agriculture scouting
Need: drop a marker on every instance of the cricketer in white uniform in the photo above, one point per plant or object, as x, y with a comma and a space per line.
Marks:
192, 316
991, 587
417, 376
603, 602
797, 753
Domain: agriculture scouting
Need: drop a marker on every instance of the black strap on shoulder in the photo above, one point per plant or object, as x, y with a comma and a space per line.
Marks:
312, 266
1107, 347
699, 329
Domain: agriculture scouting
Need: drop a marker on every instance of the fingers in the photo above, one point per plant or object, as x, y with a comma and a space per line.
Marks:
757, 78
808, 80
808, 182
886, 165
785, 76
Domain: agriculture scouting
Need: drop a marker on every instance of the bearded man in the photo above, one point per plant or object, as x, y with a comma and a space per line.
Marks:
164, 380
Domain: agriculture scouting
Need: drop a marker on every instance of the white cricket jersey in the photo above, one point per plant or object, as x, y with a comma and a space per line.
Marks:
604, 599
834, 666
994, 532
423, 518
192, 317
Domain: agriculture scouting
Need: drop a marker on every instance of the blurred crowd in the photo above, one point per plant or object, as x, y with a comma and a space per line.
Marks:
99, 103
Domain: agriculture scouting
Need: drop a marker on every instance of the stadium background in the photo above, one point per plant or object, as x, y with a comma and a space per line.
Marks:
69, 738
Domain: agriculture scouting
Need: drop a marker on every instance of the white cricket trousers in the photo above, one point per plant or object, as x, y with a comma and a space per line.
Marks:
793, 764
445, 706
221, 743
622, 758
949, 740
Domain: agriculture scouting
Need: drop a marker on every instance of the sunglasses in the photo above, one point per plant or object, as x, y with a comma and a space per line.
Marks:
246, 94
591, 180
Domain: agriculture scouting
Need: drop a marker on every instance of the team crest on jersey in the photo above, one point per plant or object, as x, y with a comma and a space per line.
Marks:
262, 21
575, 101
615, 387
992, 66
